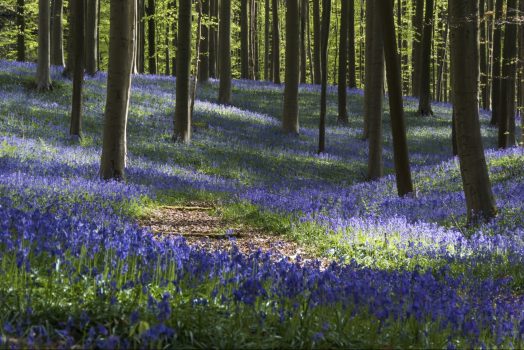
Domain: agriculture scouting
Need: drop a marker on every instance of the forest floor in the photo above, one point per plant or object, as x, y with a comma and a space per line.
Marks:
211, 244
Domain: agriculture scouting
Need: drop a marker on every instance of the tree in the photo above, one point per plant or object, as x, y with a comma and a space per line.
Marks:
91, 37
343, 64
213, 39
373, 95
57, 47
267, 52
151, 35
276, 44
480, 203
418, 22
43, 70
290, 122
182, 129
316, 41
352, 80
326, 16
224, 32
203, 72
20, 36
424, 107
497, 63
304, 14
506, 134
396, 108
121, 50
77, 34
244, 40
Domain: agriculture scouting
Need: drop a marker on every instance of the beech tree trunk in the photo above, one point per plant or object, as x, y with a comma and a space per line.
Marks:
212, 39
343, 63
121, 50
480, 203
424, 107
267, 50
43, 71
496, 83
484, 76
224, 32
244, 40
151, 36
175, 41
352, 79
316, 41
418, 22
276, 43
326, 19
57, 47
303, 28
77, 33
91, 37
290, 123
203, 72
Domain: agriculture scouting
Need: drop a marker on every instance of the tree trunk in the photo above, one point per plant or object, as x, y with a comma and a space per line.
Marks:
418, 22
276, 43
303, 28
424, 107
496, 83
290, 122
203, 72
175, 41
484, 76
442, 61
224, 32
167, 64
465, 71
343, 63
521, 81
244, 40
212, 39
43, 74
374, 88
20, 36
182, 129
77, 33
267, 51
57, 47
396, 108
151, 35
141, 37
326, 19
316, 41
91, 37
352, 79
506, 137
121, 36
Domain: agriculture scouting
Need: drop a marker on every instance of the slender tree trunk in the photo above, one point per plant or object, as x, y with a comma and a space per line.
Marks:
182, 129
352, 79
151, 35
316, 41
496, 84
77, 33
57, 47
175, 41
506, 137
20, 36
43, 71
396, 108
465, 72
303, 28
212, 39
442, 61
224, 92
343, 63
276, 43
167, 51
141, 37
424, 107
267, 50
256, 41
203, 72
521, 65
418, 23
374, 88
484, 76
121, 36
326, 20
290, 122
91, 37
244, 40
309, 45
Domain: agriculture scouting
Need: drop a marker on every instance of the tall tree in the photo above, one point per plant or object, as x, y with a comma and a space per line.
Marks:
484, 76
43, 70
521, 67
182, 129
418, 22
224, 32
506, 135
352, 79
464, 75
151, 35
141, 36
276, 43
244, 40
20, 36
57, 47
121, 50
213, 4
396, 108
497, 63
343, 63
303, 28
203, 72
77, 33
373, 92
424, 107
326, 19
267, 50
91, 37
290, 122
175, 40
316, 41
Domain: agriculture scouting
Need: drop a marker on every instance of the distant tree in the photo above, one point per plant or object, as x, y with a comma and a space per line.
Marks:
56, 39
352, 80
43, 70
464, 75
417, 24
396, 108
267, 51
373, 92
20, 36
290, 123
151, 35
424, 107
276, 43
121, 50
521, 67
343, 63
497, 63
326, 18
224, 45
316, 41
77, 34
91, 37
244, 40
203, 71
213, 39
484, 76
506, 135
304, 14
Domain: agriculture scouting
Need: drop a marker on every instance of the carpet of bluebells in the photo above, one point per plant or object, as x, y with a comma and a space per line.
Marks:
76, 269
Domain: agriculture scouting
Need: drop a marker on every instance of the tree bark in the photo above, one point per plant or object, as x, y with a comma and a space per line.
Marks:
496, 84
316, 41
20, 36
224, 92
57, 47
151, 35
212, 38
484, 76
417, 23
465, 72
267, 50
203, 72
343, 63
352, 79
175, 41
396, 108
91, 37
276, 44
121, 37
424, 107
244, 40
43, 71
77, 33
521, 81
326, 19
303, 28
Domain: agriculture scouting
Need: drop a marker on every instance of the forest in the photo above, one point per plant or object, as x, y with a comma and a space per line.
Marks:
261, 174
